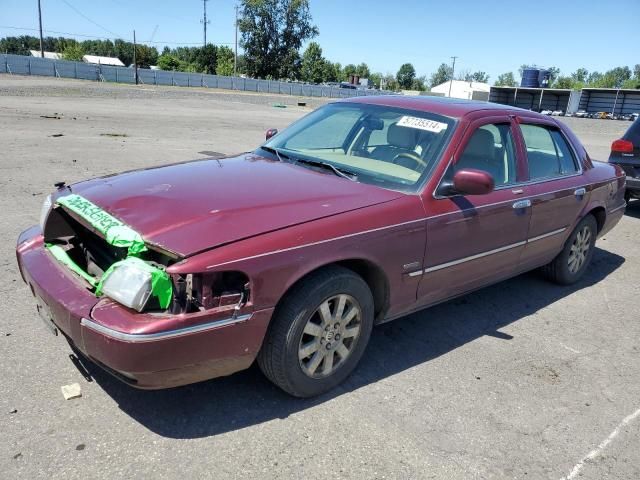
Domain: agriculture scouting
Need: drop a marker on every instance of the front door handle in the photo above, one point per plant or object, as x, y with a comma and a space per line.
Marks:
580, 192
522, 204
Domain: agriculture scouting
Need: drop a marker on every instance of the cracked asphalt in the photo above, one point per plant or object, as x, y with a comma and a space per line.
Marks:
523, 379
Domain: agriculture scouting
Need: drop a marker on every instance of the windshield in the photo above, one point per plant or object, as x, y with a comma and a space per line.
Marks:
391, 147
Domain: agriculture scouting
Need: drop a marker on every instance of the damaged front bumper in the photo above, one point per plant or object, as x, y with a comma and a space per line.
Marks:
147, 350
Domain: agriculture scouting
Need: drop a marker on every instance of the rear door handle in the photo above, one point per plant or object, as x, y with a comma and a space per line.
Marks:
580, 192
522, 204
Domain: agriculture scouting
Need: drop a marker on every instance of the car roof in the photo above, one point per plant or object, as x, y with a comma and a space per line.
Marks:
451, 107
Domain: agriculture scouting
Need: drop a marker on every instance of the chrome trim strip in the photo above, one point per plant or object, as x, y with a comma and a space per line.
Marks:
317, 243
473, 257
545, 235
150, 337
484, 254
508, 201
618, 208
416, 273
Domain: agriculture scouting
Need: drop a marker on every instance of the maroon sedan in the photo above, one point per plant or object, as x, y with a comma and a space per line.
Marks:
363, 211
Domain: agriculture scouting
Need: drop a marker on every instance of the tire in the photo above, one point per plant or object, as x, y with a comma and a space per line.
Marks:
574, 259
300, 340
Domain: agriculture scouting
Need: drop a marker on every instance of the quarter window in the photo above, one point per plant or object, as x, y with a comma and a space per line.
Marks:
548, 153
490, 149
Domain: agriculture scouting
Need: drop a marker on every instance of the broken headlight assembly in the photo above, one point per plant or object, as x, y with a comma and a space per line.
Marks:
204, 291
135, 284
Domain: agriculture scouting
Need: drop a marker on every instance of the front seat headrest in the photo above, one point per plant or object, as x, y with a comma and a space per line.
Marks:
401, 137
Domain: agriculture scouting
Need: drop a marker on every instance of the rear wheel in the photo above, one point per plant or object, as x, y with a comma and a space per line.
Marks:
319, 332
571, 263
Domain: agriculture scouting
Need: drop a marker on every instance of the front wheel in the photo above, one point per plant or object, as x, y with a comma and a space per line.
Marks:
319, 332
571, 263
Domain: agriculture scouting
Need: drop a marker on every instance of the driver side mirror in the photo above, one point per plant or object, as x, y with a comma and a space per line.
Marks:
272, 132
468, 181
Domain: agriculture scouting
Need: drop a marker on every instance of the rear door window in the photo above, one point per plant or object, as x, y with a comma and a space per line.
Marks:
548, 153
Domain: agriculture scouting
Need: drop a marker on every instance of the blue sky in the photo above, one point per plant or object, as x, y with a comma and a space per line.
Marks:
493, 36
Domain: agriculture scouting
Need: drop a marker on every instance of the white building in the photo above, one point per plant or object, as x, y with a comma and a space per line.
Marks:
462, 89
102, 60
50, 55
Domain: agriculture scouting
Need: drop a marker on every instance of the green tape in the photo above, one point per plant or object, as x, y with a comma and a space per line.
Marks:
118, 234
115, 232
161, 287
65, 259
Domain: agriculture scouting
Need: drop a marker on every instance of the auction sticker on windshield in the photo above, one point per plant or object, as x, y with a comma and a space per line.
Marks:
422, 124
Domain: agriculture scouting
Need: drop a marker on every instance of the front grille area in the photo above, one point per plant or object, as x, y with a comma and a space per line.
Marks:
86, 248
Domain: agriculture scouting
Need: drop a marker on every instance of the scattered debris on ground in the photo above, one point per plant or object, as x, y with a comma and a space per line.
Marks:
114, 135
57, 135
55, 116
71, 391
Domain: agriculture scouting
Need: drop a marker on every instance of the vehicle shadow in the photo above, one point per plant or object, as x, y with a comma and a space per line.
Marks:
633, 209
247, 398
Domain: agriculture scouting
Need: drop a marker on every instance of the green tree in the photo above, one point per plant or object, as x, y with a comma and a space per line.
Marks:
272, 33
506, 80
73, 52
419, 83
632, 83
405, 76
580, 75
479, 76
224, 64
349, 69
564, 82
313, 67
168, 62
442, 75
363, 71
554, 72
332, 72
389, 82
593, 78
374, 79
206, 58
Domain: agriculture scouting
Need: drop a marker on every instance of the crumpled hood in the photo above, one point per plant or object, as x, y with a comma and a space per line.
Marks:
195, 206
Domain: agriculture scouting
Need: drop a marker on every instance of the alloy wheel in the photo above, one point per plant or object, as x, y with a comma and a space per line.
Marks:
330, 335
579, 249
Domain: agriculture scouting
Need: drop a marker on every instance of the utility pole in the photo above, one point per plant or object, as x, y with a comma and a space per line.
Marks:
235, 57
135, 60
40, 20
204, 21
453, 70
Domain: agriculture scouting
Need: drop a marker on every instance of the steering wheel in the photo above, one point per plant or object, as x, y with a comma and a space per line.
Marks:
410, 156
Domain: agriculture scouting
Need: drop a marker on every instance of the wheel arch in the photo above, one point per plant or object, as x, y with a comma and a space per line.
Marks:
372, 274
600, 215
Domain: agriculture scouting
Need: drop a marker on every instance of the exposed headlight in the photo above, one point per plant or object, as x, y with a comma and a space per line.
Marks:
44, 212
133, 281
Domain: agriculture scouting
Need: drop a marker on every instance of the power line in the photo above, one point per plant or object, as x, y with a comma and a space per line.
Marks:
157, 42
88, 19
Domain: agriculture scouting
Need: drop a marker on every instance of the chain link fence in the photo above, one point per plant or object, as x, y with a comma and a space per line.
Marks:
23, 65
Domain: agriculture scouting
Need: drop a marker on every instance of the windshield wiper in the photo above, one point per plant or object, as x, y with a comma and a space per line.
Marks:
276, 152
341, 172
